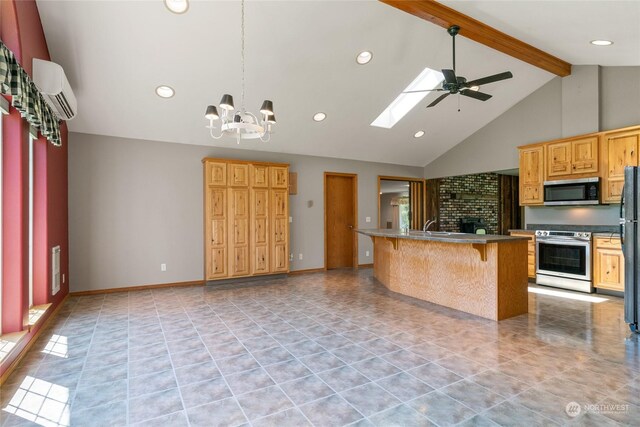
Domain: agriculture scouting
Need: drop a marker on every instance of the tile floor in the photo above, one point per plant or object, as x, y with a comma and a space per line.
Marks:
327, 350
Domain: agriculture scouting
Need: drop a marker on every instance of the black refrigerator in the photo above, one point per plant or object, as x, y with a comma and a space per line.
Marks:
630, 234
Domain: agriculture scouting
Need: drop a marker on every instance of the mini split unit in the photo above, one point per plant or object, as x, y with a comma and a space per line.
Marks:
50, 79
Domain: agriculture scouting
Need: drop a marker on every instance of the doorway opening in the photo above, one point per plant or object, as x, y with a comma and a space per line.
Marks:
401, 203
340, 220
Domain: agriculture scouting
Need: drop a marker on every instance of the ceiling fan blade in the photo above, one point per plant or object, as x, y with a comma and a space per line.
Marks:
490, 79
425, 90
450, 76
475, 94
438, 99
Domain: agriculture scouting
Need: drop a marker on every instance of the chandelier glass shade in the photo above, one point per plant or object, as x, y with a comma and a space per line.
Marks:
240, 124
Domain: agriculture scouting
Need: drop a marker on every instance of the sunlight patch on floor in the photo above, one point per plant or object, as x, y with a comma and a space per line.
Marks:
57, 346
568, 295
40, 402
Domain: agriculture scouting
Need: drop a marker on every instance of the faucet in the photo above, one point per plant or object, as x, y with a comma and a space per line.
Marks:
428, 224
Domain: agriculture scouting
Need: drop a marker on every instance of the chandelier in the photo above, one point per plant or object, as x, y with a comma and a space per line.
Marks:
240, 124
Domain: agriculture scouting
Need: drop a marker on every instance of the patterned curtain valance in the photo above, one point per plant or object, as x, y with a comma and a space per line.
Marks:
26, 97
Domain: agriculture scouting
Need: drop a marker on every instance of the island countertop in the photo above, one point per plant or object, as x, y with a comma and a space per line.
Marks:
439, 236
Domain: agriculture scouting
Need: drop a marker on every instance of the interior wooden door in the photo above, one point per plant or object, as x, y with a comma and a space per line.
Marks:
238, 232
340, 209
260, 230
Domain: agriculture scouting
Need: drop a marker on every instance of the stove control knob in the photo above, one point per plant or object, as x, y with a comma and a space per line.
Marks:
545, 233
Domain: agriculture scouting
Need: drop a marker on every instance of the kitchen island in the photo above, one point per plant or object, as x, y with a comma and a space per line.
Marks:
481, 274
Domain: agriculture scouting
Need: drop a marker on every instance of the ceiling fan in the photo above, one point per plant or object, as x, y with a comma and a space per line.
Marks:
457, 84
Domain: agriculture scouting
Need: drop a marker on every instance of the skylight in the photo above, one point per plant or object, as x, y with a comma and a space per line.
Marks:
428, 79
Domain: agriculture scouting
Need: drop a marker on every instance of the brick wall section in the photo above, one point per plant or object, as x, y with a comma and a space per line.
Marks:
479, 194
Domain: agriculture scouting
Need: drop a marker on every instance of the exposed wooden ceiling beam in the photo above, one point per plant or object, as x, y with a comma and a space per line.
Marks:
439, 14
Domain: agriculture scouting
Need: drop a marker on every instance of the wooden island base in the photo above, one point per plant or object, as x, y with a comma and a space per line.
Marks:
488, 280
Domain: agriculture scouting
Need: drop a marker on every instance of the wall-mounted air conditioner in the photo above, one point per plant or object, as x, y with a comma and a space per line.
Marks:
50, 79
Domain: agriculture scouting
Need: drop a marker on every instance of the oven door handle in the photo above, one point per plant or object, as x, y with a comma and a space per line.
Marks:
569, 242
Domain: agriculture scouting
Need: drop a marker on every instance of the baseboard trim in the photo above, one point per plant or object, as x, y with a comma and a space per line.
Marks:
365, 266
14, 364
137, 288
307, 271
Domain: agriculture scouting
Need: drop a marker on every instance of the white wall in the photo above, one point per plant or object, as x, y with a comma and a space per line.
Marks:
135, 204
557, 109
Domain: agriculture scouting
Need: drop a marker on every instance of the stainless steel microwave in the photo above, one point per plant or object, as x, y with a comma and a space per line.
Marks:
585, 191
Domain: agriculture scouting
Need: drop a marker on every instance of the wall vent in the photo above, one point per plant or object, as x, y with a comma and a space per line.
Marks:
55, 270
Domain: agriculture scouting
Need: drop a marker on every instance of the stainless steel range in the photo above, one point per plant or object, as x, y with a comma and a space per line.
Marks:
564, 259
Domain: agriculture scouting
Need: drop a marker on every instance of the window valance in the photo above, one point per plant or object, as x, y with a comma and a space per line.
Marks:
26, 97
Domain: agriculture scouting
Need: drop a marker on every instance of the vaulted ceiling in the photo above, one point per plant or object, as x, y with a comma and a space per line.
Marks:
302, 55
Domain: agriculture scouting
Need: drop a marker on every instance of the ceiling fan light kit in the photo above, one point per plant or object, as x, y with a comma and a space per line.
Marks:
241, 124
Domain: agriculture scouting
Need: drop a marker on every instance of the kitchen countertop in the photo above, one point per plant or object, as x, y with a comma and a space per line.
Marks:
614, 235
440, 236
571, 227
519, 230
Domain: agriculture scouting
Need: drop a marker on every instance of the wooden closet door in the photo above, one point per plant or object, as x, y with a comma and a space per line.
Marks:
238, 231
216, 233
260, 231
280, 230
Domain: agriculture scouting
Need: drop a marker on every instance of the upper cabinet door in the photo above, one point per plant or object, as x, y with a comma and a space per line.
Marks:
216, 173
559, 159
259, 176
531, 175
622, 150
584, 155
238, 175
279, 177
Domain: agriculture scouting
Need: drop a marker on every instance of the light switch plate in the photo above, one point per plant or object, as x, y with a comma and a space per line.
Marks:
367, 253
290, 219
368, 219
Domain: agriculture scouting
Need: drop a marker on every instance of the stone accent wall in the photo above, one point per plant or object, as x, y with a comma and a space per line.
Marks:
469, 196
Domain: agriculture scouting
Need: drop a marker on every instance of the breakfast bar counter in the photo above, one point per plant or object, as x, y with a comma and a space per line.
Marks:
481, 274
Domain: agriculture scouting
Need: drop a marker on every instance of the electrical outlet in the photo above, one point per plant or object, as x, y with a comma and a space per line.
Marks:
291, 257
290, 219
299, 256
163, 267
366, 253
367, 219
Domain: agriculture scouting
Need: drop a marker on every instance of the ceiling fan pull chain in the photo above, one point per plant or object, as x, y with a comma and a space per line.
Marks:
458, 102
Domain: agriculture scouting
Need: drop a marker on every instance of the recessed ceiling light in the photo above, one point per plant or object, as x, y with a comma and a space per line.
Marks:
177, 6
165, 91
428, 79
602, 42
318, 117
364, 57
418, 134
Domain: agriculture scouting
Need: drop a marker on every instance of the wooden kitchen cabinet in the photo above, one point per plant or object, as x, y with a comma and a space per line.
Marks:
573, 157
246, 218
279, 177
260, 234
216, 232
531, 175
280, 229
239, 232
531, 252
608, 264
259, 176
621, 150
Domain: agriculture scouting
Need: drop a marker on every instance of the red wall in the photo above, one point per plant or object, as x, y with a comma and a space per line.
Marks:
21, 31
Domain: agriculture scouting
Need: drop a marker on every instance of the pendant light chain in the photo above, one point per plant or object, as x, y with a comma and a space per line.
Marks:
242, 49
240, 123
